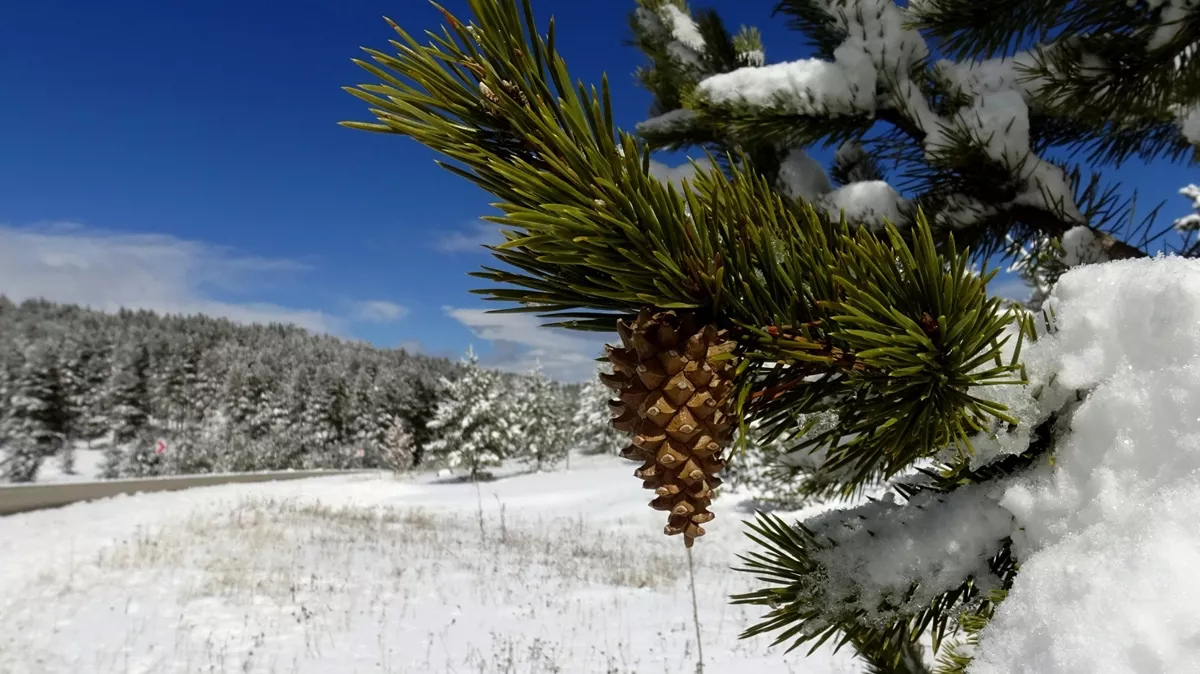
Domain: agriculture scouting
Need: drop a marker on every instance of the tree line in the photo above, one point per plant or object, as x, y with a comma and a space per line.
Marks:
168, 394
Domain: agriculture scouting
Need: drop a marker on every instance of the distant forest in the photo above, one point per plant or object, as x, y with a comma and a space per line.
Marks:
230, 397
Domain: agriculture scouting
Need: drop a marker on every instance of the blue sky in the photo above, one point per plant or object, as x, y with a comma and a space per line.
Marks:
185, 156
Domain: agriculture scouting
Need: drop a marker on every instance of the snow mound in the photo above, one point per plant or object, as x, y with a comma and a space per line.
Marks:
1108, 537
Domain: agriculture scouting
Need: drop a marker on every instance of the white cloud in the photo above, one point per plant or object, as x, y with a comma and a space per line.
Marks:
109, 270
676, 174
379, 311
519, 341
470, 241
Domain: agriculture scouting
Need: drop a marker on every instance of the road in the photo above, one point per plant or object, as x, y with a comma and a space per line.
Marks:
25, 498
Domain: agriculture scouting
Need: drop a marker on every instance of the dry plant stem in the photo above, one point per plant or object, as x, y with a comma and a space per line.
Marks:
479, 497
695, 614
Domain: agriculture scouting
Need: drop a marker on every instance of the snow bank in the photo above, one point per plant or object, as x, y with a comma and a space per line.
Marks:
1108, 537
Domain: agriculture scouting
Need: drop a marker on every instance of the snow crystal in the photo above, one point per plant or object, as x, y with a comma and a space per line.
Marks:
683, 40
1000, 122
801, 176
1108, 539
877, 41
867, 203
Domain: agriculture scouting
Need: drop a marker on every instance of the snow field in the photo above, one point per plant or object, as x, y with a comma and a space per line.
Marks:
552, 572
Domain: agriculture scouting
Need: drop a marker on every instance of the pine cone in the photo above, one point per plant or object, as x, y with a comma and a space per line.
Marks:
674, 379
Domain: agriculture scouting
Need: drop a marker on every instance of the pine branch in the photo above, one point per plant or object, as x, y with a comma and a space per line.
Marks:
922, 104
880, 321
1115, 71
804, 612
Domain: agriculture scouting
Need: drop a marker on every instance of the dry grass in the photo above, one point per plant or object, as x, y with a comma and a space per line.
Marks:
315, 572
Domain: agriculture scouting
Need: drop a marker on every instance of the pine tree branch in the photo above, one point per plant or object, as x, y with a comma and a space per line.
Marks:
730, 121
1114, 70
588, 228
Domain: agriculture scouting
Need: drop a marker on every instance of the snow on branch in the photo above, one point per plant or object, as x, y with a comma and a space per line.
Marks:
876, 42
807, 87
870, 72
676, 29
868, 203
675, 120
889, 559
1191, 221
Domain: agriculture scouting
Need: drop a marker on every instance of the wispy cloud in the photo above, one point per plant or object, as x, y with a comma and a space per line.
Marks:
379, 311
108, 270
519, 341
470, 240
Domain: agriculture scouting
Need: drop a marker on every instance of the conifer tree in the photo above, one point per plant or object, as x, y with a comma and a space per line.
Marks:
419, 401
143, 457
538, 419
129, 394
95, 368
592, 431
396, 452
39, 414
763, 292
474, 425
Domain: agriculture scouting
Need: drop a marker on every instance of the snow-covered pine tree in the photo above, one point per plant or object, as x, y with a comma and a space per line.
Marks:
39, 414
95, 369
475, 430
176, 383
396, 451
141, 456
761, 295
541, 417
423, 391
128, 394
931, 108
592, 431
191, 451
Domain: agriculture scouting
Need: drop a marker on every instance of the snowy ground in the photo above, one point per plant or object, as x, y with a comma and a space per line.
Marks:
87, 467
366, 574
